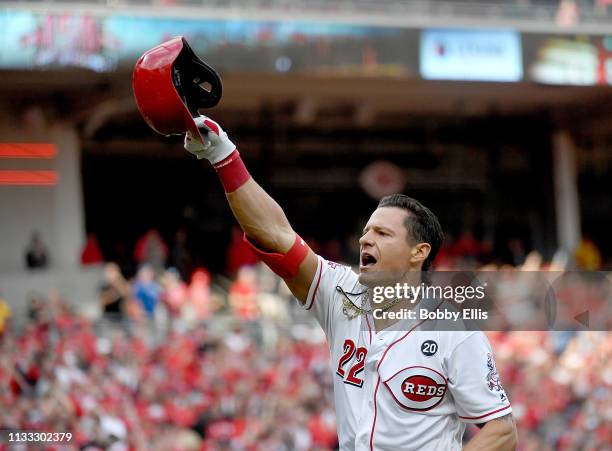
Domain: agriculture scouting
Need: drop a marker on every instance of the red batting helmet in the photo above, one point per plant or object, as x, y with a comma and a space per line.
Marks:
171, 84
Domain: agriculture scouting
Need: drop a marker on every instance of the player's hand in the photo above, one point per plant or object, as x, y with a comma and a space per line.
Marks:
215, 145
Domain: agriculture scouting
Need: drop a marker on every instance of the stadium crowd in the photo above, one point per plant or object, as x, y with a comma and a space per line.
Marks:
171, 365
195, 390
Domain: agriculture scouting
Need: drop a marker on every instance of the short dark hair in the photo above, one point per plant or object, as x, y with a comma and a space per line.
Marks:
421, 223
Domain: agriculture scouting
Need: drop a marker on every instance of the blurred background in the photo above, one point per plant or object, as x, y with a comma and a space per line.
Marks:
130, 312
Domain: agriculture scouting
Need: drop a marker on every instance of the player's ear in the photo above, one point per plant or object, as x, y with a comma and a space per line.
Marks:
419, 253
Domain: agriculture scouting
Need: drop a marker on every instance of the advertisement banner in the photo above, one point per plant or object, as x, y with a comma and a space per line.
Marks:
472, 55
569, 60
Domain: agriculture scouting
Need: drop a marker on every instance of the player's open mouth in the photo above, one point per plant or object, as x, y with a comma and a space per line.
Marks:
367, 261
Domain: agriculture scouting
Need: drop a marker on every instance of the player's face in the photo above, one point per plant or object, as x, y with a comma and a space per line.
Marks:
384, 247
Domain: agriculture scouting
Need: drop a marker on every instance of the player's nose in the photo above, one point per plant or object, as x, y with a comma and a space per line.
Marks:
366, 239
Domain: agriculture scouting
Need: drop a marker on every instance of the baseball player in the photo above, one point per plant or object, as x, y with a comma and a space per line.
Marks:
398, 384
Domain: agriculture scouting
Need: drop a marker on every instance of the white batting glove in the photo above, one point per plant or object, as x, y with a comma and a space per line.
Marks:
216, 145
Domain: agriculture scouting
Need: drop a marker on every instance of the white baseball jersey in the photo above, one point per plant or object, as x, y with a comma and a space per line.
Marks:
409, 389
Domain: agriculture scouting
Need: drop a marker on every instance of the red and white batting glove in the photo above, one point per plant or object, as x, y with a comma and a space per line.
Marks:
216, 145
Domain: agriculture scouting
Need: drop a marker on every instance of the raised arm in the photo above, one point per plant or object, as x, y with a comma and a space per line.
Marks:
261, 218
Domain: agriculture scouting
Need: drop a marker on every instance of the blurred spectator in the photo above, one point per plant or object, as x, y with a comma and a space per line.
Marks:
5, 314
201, 304
237, 340
274, 298
274, 301
36, 308
146, 290
150, 248
91, 254
568, 13
174, 294
243, 295
36, 255
238, 253
588, 256
114, 291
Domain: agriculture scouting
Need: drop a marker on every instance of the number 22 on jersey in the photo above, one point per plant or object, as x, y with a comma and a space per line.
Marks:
350, 373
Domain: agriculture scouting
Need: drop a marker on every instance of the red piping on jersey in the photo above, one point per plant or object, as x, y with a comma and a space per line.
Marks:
375, 412
316, 286
485, 415
414, 409
378, 383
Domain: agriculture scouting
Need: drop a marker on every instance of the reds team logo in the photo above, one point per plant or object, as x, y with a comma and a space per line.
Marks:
417, 387
493, 381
